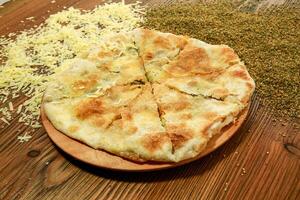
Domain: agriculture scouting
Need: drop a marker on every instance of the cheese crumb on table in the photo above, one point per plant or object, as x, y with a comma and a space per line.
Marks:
24, 138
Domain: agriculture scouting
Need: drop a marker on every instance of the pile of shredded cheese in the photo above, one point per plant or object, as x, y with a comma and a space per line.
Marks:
30, 59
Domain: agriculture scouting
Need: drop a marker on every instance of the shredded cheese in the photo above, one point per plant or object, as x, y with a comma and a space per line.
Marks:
4, 120
29, 59
24, 138
11, 107
19, 109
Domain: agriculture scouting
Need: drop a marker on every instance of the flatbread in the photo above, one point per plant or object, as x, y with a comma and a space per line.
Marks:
146, 95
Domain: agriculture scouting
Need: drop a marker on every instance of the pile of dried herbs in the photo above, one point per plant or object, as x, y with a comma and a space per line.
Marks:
268, 43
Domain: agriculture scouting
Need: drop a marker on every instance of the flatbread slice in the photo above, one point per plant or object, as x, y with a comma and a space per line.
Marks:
155, 45
157, 49
198, 68
192, 119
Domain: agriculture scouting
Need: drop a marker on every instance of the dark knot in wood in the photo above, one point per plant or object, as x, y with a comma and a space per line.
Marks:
292, 149
33, 153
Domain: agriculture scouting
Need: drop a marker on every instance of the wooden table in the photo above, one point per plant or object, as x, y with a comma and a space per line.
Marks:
260, 162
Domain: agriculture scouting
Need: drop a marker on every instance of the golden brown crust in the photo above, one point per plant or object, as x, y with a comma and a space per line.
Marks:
154, 141
245, 100
210, 115
192, 83
210, 123
126, 114
101, 113
176, 106
132, 156
86, 84
191, 60
99, 122
148, 56
220, 93
179, 138
162, 42
230, 56
89, 108
186, 116
241, 73
181, 42
73, 128
103, 54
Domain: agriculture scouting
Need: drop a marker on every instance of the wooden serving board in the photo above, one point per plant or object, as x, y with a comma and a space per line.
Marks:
106, 160
261, 161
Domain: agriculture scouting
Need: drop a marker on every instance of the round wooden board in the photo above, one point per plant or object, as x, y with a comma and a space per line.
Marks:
106, 160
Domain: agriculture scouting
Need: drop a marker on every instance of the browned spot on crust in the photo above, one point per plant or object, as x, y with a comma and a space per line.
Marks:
180, 105
99, 122
132, 130
148, 56
205, 129
181, 43
119, 123
132, 156
174, 128
192, 83
127, 115
111, 53
116, 120
154, 142
246, 98
162, 42
221, 93
241, 74
117, 92
160, 110
250, 85
215, 73
193, 60
230, 56
73, 128
126, 126
210, 123
118, 116
89, 108
106, 65
210, 115
86, 84
186, 116
147, 33
179, 138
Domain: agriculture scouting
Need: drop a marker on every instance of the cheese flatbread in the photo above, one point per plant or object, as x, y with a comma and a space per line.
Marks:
146, 95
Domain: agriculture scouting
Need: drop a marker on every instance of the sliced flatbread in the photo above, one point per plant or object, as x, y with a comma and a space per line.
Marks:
146, 95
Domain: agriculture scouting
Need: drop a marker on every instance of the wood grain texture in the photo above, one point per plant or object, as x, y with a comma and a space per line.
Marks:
262, 161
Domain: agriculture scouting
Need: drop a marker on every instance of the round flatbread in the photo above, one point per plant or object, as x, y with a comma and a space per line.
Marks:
147, 95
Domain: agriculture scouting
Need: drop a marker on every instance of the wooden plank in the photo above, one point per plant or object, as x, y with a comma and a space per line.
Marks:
260, 162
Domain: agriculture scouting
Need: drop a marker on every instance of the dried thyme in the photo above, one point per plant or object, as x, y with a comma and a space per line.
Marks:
268, 43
